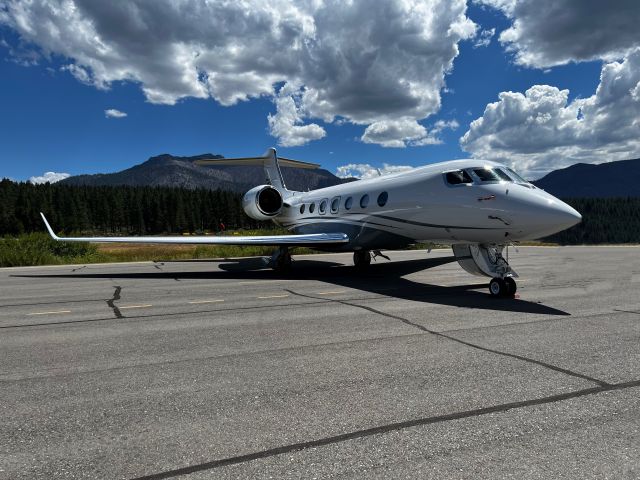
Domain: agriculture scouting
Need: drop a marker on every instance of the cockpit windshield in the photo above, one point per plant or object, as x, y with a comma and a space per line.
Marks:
484, 174
503, 175
517, 177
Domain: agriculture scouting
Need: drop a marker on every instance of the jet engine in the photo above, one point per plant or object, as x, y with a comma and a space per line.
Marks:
262, 202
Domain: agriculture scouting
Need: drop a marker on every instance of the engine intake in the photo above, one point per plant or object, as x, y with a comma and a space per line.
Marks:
262, 202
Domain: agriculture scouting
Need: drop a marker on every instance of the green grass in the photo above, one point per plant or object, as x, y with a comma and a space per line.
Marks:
40, 249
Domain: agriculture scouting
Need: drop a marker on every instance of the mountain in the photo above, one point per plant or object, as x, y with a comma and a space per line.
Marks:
613, 179
171, 171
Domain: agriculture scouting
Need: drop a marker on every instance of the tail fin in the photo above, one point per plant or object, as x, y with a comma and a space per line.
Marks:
269, 161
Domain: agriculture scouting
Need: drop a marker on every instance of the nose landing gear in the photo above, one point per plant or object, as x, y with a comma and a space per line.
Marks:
502, 287
487, 260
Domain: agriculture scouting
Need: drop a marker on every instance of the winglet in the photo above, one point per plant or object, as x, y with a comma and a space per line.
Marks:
53, 235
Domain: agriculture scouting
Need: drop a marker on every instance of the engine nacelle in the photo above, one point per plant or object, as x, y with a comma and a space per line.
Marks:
262, 202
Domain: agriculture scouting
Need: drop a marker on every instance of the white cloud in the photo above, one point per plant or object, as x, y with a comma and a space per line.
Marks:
405, 131
484, 38
541, 130
113, 113
286, 123
81, 74
50, 177
364, 170
358, 61
545, 33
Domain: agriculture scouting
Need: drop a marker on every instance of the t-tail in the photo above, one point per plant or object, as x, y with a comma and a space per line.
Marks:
269, 161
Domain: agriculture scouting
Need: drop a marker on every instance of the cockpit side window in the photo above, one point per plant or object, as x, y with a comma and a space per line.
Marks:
486, 175
458, 177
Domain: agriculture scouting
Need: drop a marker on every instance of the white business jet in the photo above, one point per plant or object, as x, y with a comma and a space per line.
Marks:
478, 207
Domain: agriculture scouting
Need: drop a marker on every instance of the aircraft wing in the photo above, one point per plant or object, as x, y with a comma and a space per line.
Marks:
310, 240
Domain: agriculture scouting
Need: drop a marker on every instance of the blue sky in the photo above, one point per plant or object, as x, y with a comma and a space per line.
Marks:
54, 121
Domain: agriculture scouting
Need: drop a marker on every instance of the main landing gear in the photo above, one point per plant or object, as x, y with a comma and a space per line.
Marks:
281, 260
361, 258
502, 287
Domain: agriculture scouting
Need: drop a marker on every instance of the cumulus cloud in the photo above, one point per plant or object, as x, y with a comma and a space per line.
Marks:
286, 123
113, 113
49, 177
405, 131
542, 130
350, 61
546, 33
364, 170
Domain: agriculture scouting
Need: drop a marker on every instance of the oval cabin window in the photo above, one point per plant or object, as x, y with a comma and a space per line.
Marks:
348, 203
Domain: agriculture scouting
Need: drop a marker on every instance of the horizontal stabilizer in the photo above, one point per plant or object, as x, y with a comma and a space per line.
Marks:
283, 162
311, 240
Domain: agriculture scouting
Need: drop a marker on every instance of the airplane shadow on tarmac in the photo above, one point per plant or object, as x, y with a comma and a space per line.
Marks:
384, 278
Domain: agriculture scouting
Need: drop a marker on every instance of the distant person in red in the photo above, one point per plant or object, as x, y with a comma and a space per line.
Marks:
221, 226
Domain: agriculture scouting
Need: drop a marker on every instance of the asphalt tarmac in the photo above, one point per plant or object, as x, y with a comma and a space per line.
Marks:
410, 370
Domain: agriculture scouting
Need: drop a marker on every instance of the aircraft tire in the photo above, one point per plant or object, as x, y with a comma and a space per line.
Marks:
361, 258
497, 287
283, 263
511, 285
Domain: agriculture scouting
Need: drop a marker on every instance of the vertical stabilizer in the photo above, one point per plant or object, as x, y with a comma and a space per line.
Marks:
272, 169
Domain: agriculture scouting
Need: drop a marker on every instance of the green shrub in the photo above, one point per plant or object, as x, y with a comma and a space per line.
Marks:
40, 249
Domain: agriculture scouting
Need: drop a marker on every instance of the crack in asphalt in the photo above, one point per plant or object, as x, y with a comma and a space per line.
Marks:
367, 432
463, 342
626, 311
110, 302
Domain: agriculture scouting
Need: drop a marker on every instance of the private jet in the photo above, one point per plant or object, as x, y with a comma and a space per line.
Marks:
478, 207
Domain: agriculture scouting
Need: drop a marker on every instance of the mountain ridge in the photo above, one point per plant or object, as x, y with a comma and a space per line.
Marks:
588, 180
174, 171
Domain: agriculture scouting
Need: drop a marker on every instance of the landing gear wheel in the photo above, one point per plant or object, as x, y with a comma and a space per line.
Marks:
361, 258
281, 260
497, 287
511, 286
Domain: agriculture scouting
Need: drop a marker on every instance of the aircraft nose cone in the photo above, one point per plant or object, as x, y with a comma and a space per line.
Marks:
557, 216
566, 215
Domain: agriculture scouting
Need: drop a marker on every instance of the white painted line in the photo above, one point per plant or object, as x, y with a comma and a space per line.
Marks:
273, 296
331, 293
133, 306
50, 313
198, 302
258, 282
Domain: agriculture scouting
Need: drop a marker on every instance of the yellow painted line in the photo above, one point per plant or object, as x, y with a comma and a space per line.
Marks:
134, 306
50, 313
331, 293
274, 296
198, 302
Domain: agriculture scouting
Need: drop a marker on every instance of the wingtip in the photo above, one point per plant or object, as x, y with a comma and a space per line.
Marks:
49, 229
